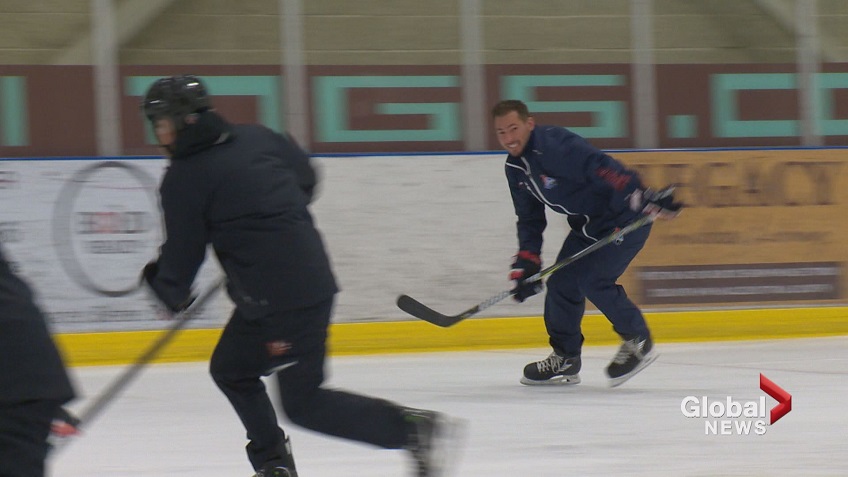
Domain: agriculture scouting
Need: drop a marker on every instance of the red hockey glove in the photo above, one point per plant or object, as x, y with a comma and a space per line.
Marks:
525, 265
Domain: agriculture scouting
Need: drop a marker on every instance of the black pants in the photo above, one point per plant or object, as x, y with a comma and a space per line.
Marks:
292, 346
594, 277
24, 428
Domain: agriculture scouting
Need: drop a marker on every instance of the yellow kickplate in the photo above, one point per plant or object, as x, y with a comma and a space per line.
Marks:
86, 349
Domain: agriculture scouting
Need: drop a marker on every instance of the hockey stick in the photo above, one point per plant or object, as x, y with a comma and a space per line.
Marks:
124, 379
423, 312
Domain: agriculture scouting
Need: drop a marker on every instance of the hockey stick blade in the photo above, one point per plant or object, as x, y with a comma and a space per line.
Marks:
423, 312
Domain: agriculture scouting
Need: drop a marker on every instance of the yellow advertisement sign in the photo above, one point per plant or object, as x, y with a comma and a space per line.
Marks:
759, 227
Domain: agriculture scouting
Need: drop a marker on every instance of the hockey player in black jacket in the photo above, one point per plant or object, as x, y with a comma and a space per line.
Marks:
554, 167
33, 381
245, 190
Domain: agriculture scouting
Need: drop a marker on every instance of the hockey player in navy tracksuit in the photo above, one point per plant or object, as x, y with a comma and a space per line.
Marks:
550, 166
245, 190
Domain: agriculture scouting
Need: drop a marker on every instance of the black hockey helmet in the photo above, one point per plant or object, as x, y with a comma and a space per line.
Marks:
175, 97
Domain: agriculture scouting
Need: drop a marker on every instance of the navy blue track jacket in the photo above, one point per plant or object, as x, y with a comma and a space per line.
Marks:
560, 169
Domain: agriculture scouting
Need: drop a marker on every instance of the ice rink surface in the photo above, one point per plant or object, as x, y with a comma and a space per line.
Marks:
173, 421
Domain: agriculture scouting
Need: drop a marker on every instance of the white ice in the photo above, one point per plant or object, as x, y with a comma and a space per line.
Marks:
173, 421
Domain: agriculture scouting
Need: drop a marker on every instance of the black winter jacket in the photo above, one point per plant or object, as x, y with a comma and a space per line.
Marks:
245, 190
31, 367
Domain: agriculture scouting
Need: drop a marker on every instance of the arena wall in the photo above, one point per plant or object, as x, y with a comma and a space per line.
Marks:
756, 254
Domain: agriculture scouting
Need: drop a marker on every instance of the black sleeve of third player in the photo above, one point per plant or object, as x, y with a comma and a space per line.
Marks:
182, 253
31, 366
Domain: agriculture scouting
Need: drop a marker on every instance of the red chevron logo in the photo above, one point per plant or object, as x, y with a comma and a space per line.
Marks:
784, 399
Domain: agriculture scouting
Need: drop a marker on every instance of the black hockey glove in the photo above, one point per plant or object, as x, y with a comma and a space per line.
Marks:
659, 203
163, 307
525, 265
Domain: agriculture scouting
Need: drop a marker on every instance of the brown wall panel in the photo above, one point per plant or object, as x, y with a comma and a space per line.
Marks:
366, 109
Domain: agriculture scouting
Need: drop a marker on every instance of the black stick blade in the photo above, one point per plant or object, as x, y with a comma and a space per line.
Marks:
424, 312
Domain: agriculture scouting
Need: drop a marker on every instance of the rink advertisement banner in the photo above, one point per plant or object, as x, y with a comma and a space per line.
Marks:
80, 231
760, 226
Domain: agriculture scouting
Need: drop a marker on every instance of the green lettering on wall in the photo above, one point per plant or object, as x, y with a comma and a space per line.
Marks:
726, 88
13, 111
609, 117
826, 83
265, 88
332, 116
682, 126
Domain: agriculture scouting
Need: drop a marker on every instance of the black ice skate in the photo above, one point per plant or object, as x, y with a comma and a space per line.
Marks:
554, 369
283, 467
433, 441
275, 470
634, 355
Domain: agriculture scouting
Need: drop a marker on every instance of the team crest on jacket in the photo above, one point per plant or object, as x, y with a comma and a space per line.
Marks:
548, 182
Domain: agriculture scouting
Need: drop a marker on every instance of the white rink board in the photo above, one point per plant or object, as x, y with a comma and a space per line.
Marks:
80, 230
440, 228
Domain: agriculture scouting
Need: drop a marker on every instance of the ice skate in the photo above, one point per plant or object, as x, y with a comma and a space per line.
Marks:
634, 355
433, 441
554, 369
272, 469
283, 467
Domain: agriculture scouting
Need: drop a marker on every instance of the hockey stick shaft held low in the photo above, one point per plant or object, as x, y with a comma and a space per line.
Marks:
423, 312
124, 380
617, 235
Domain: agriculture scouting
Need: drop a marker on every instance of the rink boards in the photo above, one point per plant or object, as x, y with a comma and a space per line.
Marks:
489, 333
761, 244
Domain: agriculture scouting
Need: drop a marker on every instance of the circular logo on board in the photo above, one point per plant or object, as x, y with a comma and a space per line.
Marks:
106, 226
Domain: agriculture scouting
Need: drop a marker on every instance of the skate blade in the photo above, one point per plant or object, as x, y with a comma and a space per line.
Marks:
555, 381
650, 358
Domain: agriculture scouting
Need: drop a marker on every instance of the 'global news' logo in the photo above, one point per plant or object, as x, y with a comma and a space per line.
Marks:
727, 416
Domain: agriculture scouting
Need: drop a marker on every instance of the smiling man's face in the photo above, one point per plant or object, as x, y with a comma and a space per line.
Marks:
513, 132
